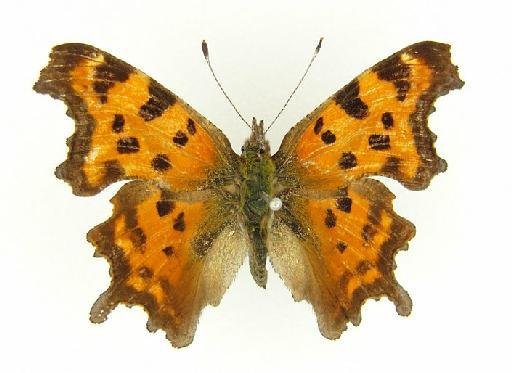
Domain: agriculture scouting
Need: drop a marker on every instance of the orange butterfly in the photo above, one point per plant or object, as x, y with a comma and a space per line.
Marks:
181, 229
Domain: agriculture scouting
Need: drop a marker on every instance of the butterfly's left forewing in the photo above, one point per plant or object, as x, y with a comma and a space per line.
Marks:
171, 242
335, 238
128, 126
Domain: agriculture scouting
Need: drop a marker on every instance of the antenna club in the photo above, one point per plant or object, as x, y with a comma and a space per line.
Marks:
318, 46
204, 47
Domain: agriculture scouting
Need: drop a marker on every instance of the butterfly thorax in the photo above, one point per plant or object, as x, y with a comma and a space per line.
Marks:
256, 191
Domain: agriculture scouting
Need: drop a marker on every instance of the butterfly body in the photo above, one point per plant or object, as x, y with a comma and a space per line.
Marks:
258, 172
193, 210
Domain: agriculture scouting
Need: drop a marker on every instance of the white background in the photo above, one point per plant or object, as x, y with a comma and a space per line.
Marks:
456, 269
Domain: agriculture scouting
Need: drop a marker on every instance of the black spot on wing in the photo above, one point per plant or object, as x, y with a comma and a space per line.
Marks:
318, 125
387, 120
191, 127
168, 250
128, 145
159, 100
179, 222
341, 246
330, 219
107, 74
161, 163
180, 138
379, 142
328, 137
348, 98
165, 207
118, 123
344, 204
347, 160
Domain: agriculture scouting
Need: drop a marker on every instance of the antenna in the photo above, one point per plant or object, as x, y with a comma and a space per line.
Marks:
204, 47
317, 49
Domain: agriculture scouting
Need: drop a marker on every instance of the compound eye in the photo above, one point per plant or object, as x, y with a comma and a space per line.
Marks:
243, 149
261, 151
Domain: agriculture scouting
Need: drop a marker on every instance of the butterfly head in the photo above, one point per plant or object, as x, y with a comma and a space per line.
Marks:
256, 145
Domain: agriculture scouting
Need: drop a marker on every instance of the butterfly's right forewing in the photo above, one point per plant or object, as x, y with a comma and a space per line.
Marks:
375, 125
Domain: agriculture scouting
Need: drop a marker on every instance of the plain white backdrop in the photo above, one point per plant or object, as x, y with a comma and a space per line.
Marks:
456, 270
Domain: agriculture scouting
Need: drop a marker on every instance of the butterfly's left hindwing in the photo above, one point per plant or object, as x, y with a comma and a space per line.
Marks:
170, 255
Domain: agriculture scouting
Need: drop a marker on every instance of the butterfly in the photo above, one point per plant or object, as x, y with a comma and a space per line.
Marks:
193, 209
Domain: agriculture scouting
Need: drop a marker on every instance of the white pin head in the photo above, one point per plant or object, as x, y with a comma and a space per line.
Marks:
275, 204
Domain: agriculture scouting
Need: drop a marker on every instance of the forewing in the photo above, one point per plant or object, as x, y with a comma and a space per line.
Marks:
375, 125
128, 126
339, 251
170, 255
